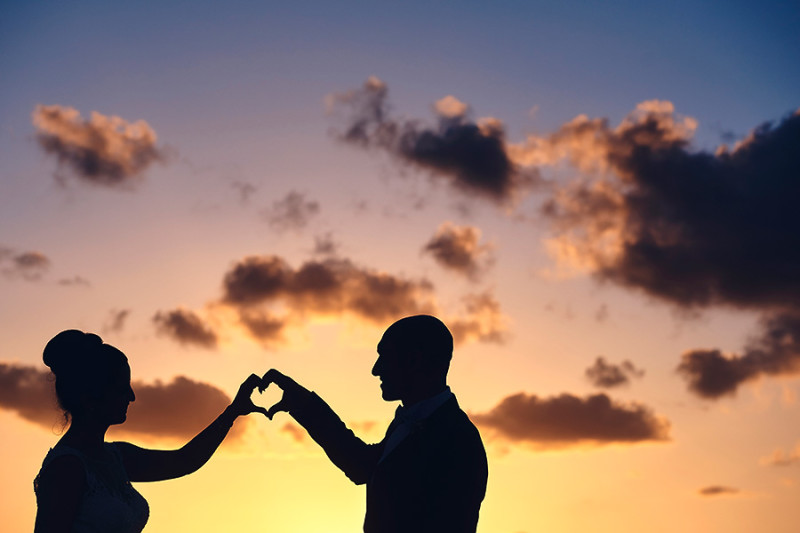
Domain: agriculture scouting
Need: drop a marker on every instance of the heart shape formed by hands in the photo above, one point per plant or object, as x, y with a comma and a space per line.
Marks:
265, 398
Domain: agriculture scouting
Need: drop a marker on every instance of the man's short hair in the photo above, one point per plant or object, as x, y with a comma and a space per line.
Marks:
424, 333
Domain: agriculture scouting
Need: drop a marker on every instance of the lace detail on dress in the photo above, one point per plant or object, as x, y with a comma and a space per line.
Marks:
110, 503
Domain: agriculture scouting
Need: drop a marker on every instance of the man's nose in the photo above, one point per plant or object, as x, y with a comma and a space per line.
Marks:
376, 368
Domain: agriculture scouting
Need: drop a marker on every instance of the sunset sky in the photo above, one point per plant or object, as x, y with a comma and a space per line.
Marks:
598, 198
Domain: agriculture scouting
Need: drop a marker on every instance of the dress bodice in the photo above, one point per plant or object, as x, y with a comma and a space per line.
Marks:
110, 503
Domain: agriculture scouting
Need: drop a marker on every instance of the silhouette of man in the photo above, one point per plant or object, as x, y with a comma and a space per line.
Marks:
429, 471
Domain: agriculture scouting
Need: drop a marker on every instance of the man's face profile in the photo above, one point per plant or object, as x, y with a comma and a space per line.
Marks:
393, 368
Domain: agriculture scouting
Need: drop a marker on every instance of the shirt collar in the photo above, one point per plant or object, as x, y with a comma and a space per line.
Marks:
422, 410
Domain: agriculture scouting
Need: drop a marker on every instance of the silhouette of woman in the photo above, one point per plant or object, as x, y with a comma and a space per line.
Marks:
84, 483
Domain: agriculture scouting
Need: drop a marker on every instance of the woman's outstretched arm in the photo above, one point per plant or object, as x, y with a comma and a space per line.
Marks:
155, 465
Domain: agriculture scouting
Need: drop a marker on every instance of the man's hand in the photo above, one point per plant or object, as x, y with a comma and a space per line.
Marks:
294, 394
242, 404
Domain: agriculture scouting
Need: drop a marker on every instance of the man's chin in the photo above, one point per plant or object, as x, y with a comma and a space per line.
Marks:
388, 395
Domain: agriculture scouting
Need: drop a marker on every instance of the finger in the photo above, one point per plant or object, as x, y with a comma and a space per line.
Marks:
274, 376
250, 383
277, 408
259, 409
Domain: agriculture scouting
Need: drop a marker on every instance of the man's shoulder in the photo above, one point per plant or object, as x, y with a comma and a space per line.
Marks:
451, 420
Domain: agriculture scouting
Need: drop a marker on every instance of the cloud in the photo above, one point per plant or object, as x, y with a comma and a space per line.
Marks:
692, 228
103, 150
326, 245
775, 351
30, 393
469, 155
456, 248
263, 326
178, 409
245, 190
567, 420
607, 375
263, 296
116, 320
186, 327
781, 458
483, 321
293, 212
30, 265
74, 281
717, 490
329, 285
295, 432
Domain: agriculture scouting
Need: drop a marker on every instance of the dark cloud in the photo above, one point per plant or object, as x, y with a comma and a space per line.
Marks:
717, 490
115, 322
263, 326
775, 351
30, 393
567, 420
692, 228
30, 265
293, 212
106, 151
264, 295
469, 155
456, 248
178, 409
327, 286
186, 327
607, 375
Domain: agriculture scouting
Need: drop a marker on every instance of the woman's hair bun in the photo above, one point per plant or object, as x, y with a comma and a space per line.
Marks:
69, 348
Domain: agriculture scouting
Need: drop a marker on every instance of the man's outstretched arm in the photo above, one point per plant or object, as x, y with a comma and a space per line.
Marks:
353, 456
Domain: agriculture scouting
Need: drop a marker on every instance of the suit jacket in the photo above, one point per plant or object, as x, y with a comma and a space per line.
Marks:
433, 481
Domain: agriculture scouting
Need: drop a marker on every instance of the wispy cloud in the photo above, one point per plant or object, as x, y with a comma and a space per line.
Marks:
292, 212
29, 265
103, 150
607, 375
782, 458
457, 249
718, 490
116, 320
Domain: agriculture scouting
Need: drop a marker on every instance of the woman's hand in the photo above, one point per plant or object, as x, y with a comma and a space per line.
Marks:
294, 394
242, 404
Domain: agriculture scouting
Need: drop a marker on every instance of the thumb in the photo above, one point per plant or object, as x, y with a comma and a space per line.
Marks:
282, 405
259, 409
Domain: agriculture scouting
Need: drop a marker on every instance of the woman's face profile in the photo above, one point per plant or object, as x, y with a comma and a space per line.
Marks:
112, 406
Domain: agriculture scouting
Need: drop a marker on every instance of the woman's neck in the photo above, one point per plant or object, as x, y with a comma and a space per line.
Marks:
85, 436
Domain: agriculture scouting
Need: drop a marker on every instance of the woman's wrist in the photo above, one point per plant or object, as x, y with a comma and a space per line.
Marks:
230, 413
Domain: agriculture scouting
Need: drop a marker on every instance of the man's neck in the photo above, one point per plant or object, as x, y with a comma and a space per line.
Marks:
420, 396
